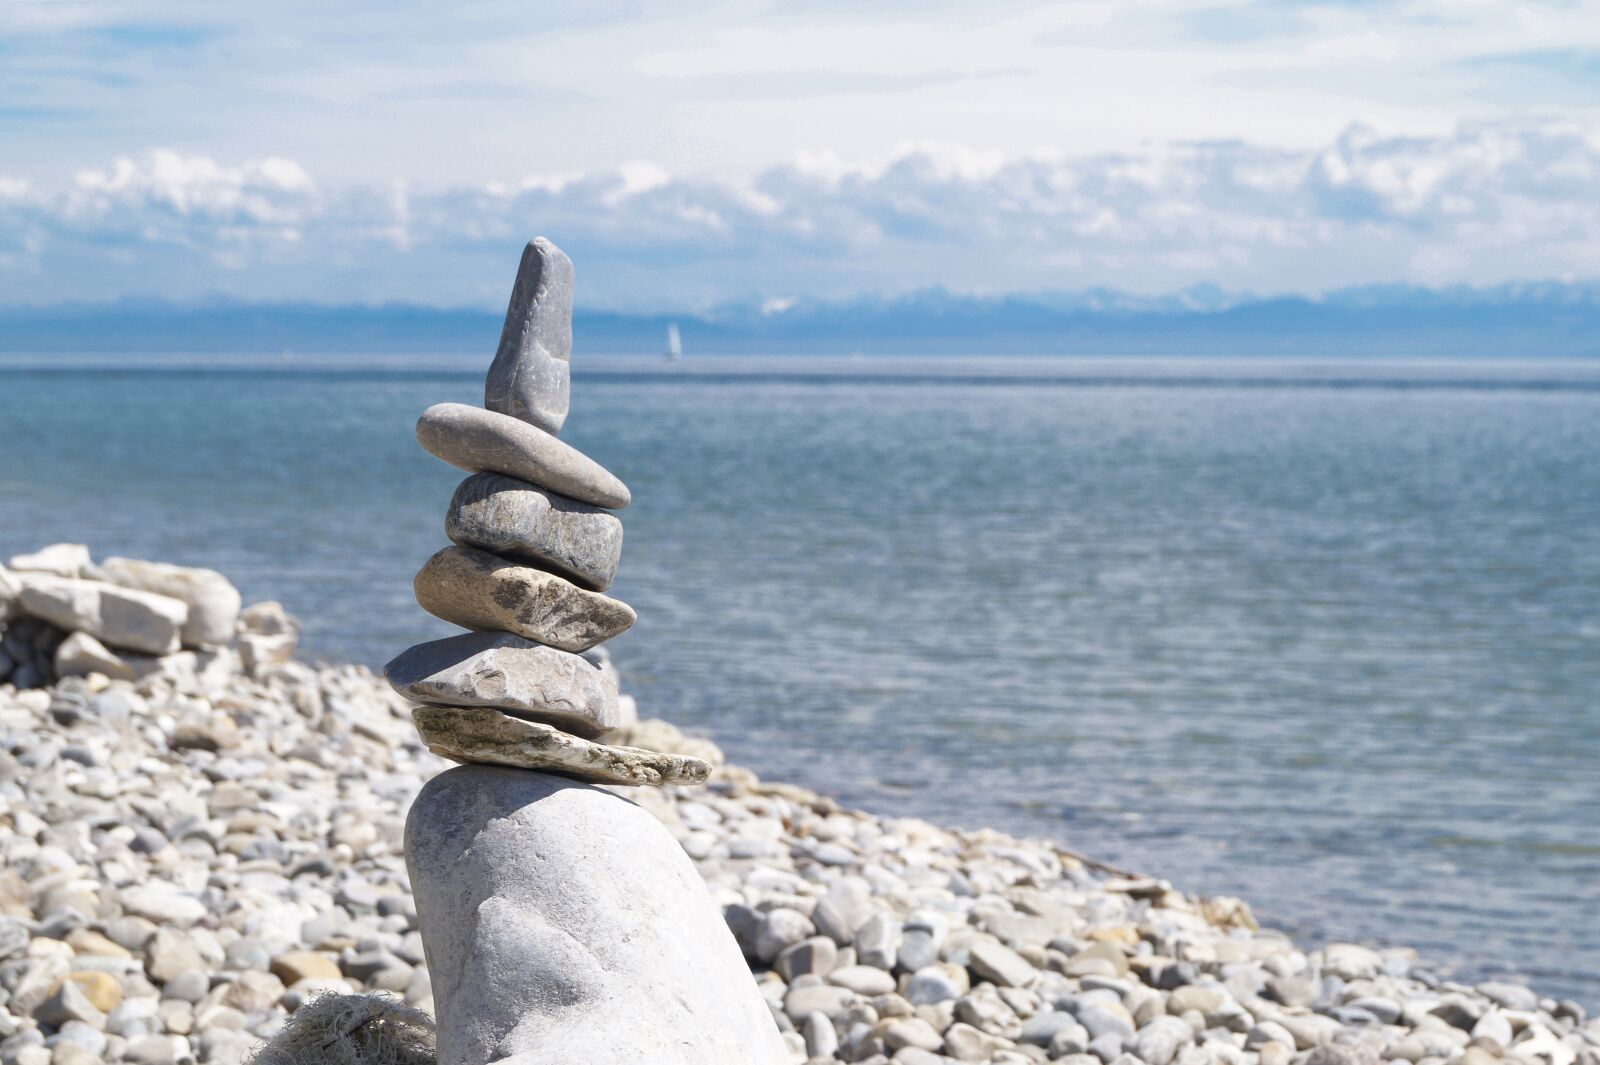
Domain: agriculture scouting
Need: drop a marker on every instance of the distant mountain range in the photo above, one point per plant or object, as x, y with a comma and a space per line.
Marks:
1513, 321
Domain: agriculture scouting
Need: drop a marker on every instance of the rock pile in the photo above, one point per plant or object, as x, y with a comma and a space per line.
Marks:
63, 615
536, 544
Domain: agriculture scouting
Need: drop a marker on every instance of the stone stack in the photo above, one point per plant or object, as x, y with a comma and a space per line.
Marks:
535, 544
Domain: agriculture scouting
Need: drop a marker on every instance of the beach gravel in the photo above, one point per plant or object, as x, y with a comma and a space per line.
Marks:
188, 856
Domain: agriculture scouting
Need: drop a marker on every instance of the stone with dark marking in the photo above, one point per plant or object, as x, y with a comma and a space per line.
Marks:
477, 590
479, 734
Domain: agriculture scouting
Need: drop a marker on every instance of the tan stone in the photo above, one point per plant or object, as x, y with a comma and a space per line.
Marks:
296, 965
476, 590
483, 735
101, 989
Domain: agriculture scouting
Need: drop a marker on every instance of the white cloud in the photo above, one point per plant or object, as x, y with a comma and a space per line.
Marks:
1487, 203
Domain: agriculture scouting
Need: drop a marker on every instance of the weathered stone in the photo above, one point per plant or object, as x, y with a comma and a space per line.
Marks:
69, 1003
517, 520
10, 592
120, 617
993, 960
530, 377
212, 599
267, 636
293, 966
476, 590
60, 560
162, 905
479, 734
482, 441
564, 924
81, 654
507, 672
101, 989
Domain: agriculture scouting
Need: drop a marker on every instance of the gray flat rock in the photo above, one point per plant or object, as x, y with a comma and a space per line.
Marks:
518, 676
517, 520
478, 734
530, 377
477, 590
212, 599
482, 441
120, 617
564, 925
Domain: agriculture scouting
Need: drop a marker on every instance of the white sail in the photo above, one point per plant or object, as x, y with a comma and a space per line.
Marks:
674, 342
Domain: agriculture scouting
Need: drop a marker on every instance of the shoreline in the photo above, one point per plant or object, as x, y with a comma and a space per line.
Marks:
202, 849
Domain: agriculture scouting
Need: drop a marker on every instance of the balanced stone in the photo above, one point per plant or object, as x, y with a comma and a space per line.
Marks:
500, 670
212, 599
484, 735
517, 520
121, 617
476, 590
482, 441
564, 925
530, 377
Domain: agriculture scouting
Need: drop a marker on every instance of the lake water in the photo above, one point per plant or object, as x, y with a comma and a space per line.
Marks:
1323, 636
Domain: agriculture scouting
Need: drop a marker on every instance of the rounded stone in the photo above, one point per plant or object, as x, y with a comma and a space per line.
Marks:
520, 521
563, 923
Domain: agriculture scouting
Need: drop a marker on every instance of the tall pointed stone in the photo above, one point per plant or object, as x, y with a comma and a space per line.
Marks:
530, 378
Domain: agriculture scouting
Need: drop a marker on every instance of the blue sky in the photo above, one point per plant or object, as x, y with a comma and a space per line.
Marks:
696, 153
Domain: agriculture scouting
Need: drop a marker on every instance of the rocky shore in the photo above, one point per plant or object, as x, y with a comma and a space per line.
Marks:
200, 833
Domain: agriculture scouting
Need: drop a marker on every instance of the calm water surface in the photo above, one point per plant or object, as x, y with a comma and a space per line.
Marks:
1327, 637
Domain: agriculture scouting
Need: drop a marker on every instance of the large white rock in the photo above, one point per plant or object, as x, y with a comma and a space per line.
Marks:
61, 560
120, 617
564, 924
10, 593
81, 654
212, 599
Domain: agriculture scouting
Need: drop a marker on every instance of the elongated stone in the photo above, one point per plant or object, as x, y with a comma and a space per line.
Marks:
530, 377
478, 734
120, 617
509, 673
476, 590
516, 520
481, 441
564, 925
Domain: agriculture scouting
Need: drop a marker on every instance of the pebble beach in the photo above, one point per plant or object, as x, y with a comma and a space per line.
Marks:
197, 843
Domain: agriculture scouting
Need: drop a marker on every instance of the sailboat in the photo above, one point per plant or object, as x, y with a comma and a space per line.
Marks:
674, 343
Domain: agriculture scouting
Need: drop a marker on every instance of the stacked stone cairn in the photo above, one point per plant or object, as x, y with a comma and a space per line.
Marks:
535, 545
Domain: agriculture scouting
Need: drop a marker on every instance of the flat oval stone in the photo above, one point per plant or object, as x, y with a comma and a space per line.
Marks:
476, 590
517, 520
481, 441
497, 669
478, 734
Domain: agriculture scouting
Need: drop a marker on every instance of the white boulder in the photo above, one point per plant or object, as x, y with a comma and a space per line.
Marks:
60, 560
212, 599
563, 923
118, 617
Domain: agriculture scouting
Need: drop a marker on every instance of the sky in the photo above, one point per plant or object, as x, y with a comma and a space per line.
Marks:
698, 153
